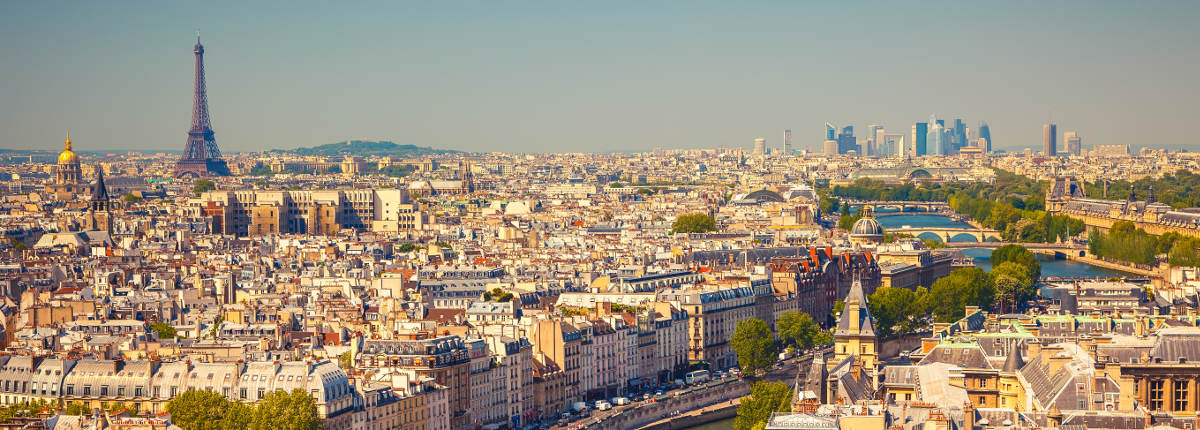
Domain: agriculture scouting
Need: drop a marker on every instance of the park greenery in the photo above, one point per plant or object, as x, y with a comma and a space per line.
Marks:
754, 344
694, 223
203, 185
765, 398
799, 330
1180, 190
205, 410
1125, 242
164, 330
497, 295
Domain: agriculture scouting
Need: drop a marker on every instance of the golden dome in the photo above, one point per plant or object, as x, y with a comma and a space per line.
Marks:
67, 156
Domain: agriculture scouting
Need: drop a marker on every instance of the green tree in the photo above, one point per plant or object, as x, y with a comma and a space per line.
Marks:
198, 410
408, 247
282, 410
797, 329
754, 344
131, 198
765, 398
164, 330
1020, 255
967, 286
346, 360
78, 409
203, 185
238, 416
694, 223
896, 310
1012, 284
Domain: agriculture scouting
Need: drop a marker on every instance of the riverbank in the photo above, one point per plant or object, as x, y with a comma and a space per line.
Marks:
705, 403
698, 417
1115, 266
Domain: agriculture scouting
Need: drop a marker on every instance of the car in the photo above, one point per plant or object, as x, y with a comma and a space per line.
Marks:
658, 393
603, 405
620, 401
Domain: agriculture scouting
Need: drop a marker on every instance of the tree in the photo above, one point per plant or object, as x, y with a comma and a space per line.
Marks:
238, 416
408, 247
198, 410
1012, 284
1020, 255
754, 344
294, 410
950, 295
346, 360
797, 329
694, 223
203, 185
78, 409
164, 330
896, 310
765, 398
131, 198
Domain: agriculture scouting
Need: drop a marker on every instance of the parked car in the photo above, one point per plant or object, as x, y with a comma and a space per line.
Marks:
620, 401
658, 393
603, 405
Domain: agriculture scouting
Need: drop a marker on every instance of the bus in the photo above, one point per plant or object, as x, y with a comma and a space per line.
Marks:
697, 377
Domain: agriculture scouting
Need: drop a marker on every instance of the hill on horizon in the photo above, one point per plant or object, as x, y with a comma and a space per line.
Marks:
366, 148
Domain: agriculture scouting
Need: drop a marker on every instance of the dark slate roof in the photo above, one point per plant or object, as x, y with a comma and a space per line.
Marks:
865, 322
967, 356
1172, 347
1014, 362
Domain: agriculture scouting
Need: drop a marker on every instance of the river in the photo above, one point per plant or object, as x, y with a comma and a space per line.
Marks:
982, 256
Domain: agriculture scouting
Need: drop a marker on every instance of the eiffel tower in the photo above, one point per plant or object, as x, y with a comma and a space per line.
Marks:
201, 157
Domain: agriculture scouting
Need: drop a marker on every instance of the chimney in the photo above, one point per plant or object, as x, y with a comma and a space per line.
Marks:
1035, 348
969, 416
1057, 360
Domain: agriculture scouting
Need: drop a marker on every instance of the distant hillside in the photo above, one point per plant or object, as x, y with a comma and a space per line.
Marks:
366, 148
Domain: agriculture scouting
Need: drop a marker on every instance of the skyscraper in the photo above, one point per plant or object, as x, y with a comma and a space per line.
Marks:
872, 141
919, 132
959, 133
1073, 143
936, 139
201, 157
787, 142
985, 133
846, 141
830, 132
1050, 140
760, 147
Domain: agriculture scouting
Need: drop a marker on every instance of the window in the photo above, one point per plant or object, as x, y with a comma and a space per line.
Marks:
1156, 395
1181, 395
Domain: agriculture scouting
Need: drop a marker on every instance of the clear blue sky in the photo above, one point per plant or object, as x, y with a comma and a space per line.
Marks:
593, 76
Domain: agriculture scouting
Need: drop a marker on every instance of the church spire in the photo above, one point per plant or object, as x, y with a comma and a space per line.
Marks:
67, 143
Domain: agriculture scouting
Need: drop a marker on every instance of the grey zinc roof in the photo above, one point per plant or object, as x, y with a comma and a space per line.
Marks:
865, 322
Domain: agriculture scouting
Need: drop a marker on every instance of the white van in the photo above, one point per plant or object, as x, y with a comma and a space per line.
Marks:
697, 377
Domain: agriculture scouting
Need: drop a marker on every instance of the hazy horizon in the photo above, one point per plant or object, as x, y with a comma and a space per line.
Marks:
578, 77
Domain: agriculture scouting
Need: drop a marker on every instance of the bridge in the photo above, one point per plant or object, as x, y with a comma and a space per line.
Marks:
946, 234
899, 205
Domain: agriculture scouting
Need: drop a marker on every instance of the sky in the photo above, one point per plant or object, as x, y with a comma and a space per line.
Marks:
554, 76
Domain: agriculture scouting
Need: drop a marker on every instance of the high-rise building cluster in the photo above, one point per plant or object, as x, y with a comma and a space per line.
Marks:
923, 138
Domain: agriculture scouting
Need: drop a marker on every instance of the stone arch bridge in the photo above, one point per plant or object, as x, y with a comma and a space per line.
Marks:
946, 234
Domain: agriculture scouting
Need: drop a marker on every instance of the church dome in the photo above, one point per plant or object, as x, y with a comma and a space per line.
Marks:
867, 227
68, 156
